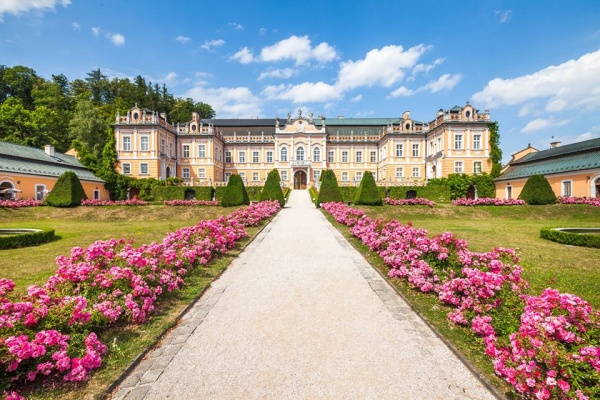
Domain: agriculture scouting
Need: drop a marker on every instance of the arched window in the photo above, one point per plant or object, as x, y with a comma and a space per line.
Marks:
300, 154
317, 154
284, 154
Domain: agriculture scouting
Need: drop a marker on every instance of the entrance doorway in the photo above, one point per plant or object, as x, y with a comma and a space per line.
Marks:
300, 180
471, 193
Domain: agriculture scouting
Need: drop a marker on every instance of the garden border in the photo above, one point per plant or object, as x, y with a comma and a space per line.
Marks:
31, 237
572, 239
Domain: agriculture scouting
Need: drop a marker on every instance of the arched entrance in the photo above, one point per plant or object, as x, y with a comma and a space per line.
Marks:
300, 180
597, 186
168, 172
6, 190
471, 193
411, 194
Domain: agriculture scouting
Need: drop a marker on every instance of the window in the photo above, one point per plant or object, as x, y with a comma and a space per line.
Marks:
344, 176
373, 156
399, 172
241, 157
40, 192
300, 154
144, 143
163, 146
359, 156
566, 188
284, 176
439, 144
170, 149
186, 150
431, 148
458, 142
255, 156
228, 157
185, 173
201, 151
458, 167
358, 176
201, 173
96, 194
316, 175
126, 143
509, 192
399, 150
284, 154
269, 156
144, 169
476, 142
331, 156
344, 156
255, 177
243, 176
416, 172
126, 169
477, 167
415, 150
317, 154
227, 176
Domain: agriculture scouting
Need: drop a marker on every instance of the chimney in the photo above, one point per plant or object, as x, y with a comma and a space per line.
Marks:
554, 144
49, 149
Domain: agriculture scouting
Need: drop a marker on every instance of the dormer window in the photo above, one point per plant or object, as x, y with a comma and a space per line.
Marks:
468, 114
407, 126
194, 127
136, 115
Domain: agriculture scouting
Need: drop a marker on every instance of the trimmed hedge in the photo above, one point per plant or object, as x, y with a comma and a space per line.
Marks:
161, 193
272, 188
253, 192
573, 239
26, 239
537, 191
329, 190
235, 193
67, 192
367, 193
435, 192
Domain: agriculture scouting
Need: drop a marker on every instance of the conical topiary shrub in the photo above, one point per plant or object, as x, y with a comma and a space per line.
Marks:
329, 190
537, 191
67, 192
367, 192
272, 188
235, 193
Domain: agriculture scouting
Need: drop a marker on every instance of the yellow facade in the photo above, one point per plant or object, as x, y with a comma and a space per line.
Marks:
38, 187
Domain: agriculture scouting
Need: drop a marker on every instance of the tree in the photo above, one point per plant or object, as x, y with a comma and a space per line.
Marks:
272, 188
235, 192
329, 190
89, 133
98, 87
183, 109
537, 191
67, 192
18, 82
367, 192
495, 151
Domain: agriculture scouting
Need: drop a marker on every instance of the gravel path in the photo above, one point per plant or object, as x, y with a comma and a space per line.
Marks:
301, 315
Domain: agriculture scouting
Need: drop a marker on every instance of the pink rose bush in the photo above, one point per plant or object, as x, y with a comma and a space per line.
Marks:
545, 346
20, 203
419, 201
49, 332
593, 201
175, 203
486, 201
91, 203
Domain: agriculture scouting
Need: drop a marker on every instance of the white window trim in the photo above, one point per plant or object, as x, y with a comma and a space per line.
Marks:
141, 146
462, 167
44, 191
480, 169
123, 168
562, 187
147, 169
509, 189
123, 142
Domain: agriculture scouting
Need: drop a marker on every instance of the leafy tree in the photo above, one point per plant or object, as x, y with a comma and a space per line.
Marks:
18, 82
67, 192
98, 87
89, 133
329, 190
537, 191
235, 192
495, 151
367, 192
183, 109
272, 188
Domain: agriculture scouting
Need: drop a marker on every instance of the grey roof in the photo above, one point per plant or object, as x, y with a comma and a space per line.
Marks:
573, 157
32, 161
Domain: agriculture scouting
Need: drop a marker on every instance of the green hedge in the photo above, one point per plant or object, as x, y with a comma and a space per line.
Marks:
235, 193
537, 191
573, 239
67, 192
26, 239
437, 193
367, 192
160, 193
253, 192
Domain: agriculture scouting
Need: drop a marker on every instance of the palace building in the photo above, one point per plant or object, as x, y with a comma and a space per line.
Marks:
398, 151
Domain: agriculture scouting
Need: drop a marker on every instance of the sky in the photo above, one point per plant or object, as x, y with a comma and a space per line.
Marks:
534, 65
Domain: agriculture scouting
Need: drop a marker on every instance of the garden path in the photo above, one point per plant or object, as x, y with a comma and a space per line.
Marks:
301, 315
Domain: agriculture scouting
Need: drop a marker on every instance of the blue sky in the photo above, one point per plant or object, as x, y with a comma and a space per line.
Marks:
534, 65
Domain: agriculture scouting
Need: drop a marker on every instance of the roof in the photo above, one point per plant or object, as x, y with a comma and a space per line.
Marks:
241, 122
573, 157
33, 161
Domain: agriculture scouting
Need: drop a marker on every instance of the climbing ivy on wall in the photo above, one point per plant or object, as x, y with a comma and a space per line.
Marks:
495, 151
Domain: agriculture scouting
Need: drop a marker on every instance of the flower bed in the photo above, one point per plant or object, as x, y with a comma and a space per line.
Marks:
594, 201
486, 201
175, 203
545, 346
93, 203
419, 201
20, 203
49, 332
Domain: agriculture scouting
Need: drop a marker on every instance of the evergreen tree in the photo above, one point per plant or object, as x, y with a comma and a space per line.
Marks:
272, 188
329, 190
537, 191
67, 192
235, 192
367, 192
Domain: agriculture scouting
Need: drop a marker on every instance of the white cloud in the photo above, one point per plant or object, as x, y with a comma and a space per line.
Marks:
356, 99
541, 123
262, 31
402, 91
183, 39
244, 56
96, 31
444, 82
170, 78
298, 49
76, 26
236, 26
383, 66
527, 109
307, 92
237, 102
211, 45
16, 7
117, 39
573, 84
284, 73
504, 16
426, 68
